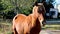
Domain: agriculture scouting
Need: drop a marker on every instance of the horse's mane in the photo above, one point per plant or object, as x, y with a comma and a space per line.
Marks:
41, 10
37, 28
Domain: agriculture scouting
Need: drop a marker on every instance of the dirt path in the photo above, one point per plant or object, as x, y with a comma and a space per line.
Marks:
44, 32
50, 32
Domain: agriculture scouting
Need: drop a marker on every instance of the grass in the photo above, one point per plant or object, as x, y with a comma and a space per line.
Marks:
52, 27
6, 27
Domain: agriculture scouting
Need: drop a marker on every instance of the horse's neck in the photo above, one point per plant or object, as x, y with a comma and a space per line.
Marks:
35, 13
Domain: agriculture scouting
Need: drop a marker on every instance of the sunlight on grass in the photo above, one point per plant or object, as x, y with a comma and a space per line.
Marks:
5, 28
51, 27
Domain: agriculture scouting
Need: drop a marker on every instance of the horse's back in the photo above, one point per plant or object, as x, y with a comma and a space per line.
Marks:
20, 18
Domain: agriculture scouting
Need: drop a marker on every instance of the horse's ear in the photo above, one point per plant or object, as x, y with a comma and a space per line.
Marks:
35, 4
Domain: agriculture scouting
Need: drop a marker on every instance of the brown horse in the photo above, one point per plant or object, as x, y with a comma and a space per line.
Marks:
30, 24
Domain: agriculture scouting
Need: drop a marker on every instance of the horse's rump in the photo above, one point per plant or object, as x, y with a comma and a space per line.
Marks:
18, 22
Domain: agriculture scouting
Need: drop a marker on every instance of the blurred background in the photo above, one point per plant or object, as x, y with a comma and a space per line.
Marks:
9, 8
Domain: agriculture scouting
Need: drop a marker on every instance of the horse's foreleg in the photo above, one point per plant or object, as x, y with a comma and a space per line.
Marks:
26, 29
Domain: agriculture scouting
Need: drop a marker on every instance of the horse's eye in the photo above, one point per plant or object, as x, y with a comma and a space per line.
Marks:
40, 10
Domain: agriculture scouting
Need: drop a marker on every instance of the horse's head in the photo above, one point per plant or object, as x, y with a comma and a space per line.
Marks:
39, 12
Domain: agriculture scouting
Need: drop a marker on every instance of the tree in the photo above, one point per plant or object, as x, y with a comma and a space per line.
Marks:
17, 6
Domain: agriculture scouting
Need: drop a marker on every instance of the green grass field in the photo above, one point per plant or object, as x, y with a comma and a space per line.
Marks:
51, 27
6, 27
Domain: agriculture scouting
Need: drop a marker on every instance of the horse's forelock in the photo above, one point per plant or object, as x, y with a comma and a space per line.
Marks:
41, 9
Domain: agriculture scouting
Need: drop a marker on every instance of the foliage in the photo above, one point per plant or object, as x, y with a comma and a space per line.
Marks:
16, 6
26, 6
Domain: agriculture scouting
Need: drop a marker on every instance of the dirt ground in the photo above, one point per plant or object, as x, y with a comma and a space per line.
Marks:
50, 32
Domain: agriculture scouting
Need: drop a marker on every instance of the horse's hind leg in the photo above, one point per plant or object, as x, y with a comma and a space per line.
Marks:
14, 31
